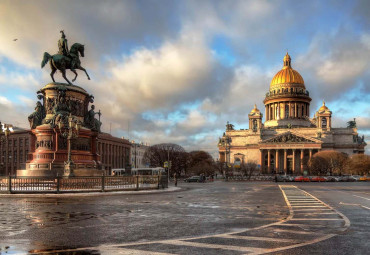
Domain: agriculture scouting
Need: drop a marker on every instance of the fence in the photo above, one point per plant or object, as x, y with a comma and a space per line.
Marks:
11, 184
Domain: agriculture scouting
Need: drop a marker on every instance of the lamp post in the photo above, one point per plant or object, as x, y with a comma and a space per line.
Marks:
71, 131
226, 142
4, 133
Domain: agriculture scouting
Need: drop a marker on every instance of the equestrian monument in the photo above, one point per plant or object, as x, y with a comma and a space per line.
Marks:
64, 129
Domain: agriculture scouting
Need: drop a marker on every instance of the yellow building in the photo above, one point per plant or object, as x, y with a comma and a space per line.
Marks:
288, 138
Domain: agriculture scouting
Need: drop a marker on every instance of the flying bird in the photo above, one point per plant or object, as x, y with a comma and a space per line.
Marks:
15, 39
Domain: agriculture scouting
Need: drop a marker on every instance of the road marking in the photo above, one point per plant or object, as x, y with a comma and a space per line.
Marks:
216, 246
309, 206
308, 209
294, 232
129, 248
125, 251
361, 197
259, 238
314, 219
341, 203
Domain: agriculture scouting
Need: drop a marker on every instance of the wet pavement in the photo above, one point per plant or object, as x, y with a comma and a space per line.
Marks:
209, 218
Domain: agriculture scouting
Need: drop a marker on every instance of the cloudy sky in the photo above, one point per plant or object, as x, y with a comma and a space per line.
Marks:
176, 71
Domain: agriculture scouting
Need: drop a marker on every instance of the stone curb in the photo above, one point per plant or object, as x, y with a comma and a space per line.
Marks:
92, 194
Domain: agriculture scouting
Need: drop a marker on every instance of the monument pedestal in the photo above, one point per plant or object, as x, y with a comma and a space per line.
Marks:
49, 146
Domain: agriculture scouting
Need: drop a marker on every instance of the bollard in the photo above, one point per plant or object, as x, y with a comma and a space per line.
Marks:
103, 182
9, 184
58, 184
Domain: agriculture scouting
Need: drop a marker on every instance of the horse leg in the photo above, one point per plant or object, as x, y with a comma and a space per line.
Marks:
64, 76
83, 69
53, 70
74, 71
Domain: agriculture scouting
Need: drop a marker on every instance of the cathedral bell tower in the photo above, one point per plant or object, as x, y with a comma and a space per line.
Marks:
323, 116
255, 119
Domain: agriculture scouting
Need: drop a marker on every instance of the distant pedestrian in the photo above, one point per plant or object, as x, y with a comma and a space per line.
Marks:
175, 178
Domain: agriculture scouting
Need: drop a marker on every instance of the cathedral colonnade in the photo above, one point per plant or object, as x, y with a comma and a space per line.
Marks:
286, 160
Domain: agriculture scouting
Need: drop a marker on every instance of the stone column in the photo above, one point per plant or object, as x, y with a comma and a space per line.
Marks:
266, 111
268, 161
295, 110
302, 154
262, 170
282, 115
277, 161
285, 160
310, 154
294, 161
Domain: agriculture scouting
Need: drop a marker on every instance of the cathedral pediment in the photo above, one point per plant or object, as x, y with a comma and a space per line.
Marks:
289, 137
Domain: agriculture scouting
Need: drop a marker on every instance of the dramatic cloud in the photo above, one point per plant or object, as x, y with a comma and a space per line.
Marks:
176, 71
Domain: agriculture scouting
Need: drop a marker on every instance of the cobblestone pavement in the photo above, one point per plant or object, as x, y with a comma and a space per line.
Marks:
211, 218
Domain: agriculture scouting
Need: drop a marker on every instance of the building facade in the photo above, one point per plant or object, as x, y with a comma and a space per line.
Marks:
137, 154
288, 138
114, 152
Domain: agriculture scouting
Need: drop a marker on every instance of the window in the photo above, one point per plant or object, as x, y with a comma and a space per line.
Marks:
323, 122
15, 156
26, 142
21, 142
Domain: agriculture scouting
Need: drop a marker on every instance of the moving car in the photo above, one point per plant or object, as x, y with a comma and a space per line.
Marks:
193, 179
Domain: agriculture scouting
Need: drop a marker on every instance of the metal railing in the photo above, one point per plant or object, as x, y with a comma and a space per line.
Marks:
12, 184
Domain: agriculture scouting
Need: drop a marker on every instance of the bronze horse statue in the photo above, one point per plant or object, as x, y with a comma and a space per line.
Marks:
61, 62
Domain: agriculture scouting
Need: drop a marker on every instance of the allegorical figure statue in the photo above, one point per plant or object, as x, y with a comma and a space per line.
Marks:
91, 121
65, 59
37, 116
61, 111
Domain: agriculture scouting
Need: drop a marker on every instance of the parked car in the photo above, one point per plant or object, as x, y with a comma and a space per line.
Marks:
285, 178
318, 179
332, 179
364, 178
347, 178
301, 179
193, 179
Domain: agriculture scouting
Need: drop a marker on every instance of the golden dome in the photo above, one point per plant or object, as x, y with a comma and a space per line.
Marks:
287, 75
323, 108
255, 110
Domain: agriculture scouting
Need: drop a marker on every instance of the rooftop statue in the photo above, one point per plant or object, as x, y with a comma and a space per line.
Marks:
65, 59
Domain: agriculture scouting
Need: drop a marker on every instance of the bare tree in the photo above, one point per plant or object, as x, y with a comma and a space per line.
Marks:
157, 154
201, 162
318, 165
332, 162
249, 168
358, 164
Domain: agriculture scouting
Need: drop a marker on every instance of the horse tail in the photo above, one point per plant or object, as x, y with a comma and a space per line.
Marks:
45, 60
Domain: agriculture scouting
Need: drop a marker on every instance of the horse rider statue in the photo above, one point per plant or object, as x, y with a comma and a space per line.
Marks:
63, 50
63, 45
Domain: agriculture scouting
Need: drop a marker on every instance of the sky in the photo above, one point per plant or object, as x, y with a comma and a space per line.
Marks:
177, 71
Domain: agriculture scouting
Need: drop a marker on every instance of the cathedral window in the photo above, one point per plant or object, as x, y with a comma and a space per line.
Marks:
323, 122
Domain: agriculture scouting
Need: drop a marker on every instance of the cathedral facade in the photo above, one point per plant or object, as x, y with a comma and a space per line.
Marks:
288, 138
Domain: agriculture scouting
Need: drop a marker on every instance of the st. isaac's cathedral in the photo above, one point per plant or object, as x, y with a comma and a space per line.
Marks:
289, 137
